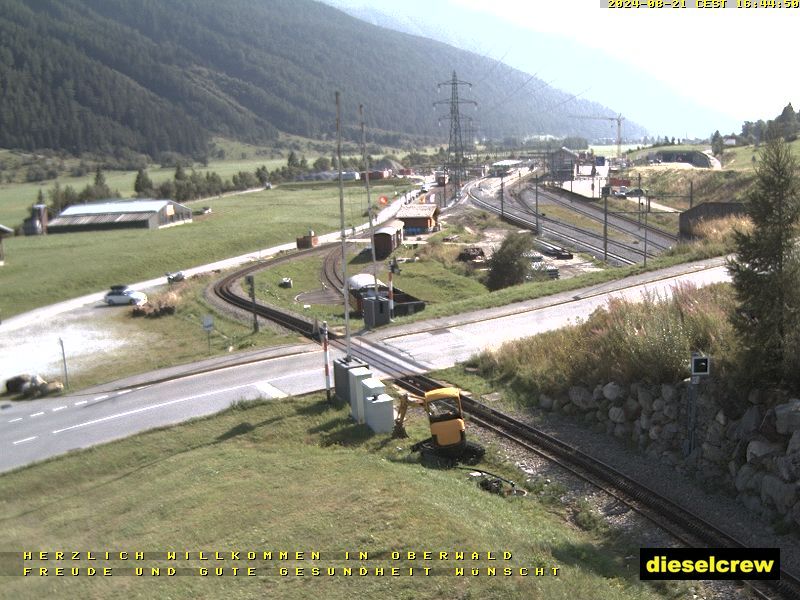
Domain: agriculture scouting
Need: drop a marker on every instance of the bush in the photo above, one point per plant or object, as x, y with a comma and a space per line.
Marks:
627, 341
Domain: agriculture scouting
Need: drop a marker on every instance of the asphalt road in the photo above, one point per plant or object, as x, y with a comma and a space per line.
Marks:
38, 429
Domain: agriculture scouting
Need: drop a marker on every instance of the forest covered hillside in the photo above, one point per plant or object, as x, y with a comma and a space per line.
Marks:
152, 76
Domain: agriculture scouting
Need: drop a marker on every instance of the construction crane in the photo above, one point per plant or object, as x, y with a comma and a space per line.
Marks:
619, 119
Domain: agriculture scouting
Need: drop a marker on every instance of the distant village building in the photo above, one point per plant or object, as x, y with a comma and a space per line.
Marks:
502, 168
121, 214
562, 164
36, 224
4, 231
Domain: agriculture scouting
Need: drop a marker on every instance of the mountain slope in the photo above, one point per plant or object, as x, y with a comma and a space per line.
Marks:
151, 76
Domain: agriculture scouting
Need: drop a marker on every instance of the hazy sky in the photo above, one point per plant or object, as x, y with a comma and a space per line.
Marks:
673, 70
739, 61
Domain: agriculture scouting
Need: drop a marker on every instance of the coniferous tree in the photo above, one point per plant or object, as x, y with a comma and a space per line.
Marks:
766, 271
143, 186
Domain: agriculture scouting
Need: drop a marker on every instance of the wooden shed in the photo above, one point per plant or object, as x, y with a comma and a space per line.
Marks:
418, 218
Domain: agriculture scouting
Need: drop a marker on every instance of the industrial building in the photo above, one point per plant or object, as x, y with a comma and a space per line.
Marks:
120, 214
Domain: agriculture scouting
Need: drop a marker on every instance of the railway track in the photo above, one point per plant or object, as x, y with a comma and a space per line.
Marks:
691, 530
688, 528
657, 238
584, 239
623, 255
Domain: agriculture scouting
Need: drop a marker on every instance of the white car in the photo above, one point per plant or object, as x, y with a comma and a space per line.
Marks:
122, 294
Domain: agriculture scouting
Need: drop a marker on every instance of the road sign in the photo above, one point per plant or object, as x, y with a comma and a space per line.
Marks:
701, 365
383, 200
208, 322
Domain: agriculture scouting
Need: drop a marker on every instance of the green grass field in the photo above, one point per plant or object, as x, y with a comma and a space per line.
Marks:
298, 476
45, 269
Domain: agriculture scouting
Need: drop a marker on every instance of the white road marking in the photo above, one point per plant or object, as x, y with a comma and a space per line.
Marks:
270, 390
141, 387
119, 393
103, 397
15, 420
81, 402
151, 407
25, 440
58, 408
39, 414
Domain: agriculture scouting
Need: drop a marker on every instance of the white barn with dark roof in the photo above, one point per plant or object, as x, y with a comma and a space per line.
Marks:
120, 214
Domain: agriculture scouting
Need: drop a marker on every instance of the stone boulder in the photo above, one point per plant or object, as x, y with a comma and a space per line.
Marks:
744, 477
612, 391
669, 393
671, 411
616, 414
712, 453
781, 495
632, 409
788, 467
669, 431
645, 399
749, 423
757, 449
794, 443
582, 398
787, 417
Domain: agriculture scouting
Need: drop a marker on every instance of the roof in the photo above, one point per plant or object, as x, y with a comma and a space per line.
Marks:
411, 211
390, 227
116, 207
91, 219
506, 163
362, 280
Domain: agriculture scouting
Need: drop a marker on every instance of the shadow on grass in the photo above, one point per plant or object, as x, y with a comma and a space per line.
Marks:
242, 429
337, 431
236, 431
350, 435
597, 558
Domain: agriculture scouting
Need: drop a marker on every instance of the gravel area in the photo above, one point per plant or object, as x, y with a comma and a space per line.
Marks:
716, 507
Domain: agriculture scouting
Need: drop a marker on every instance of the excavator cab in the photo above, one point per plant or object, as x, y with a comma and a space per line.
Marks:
446, 419
448, 443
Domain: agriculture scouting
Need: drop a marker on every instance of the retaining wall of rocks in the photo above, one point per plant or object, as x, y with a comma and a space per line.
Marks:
755, 455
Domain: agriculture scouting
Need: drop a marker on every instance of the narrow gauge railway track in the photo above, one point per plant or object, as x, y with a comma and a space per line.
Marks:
686, 527
225, 289
658, 238
332, 269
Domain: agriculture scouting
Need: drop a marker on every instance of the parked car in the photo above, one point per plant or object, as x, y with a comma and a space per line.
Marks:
557, 252
175, 277
621, 192
635, 193
122, 294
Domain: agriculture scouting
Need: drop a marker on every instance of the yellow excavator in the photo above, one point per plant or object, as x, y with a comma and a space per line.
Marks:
446, 418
